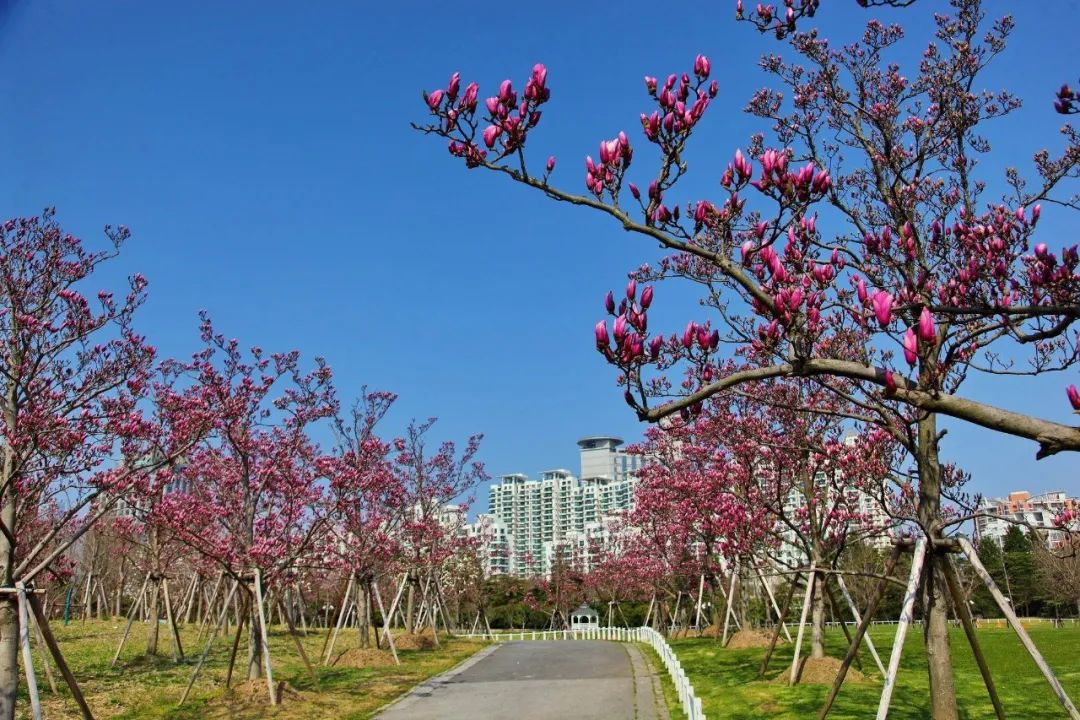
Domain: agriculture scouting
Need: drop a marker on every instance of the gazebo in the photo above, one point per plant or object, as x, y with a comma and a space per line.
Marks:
584, 618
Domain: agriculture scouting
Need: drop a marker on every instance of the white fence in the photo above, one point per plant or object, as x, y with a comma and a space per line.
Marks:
691, 703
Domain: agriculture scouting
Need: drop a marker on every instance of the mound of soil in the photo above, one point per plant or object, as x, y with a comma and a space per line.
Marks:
417, 641
821, 671
254, 692
363, 658
752, 638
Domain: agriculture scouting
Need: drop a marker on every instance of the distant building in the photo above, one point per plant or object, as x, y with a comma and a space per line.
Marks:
534, 524
994, 516
873, 526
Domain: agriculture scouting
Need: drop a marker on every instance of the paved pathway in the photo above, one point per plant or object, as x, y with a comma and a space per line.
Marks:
539, 680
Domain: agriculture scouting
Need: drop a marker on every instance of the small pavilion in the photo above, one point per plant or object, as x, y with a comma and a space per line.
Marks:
584, 618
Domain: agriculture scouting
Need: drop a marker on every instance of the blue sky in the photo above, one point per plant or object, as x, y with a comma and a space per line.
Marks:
262, 156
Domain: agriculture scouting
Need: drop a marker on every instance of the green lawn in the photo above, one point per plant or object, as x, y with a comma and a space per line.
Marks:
139, 688
728, 684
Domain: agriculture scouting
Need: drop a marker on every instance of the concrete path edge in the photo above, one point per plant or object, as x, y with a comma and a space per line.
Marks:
438, 679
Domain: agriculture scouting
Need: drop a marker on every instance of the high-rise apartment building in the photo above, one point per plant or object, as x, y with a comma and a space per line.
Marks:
994, 516
533, 523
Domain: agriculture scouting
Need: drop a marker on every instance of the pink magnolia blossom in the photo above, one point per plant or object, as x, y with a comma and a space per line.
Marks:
910, 346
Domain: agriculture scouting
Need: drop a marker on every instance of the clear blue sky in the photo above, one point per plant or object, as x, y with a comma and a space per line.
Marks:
262, 156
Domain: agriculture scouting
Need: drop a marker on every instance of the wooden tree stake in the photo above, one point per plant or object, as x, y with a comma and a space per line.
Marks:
902, 627
265, 639
779, 624
811, 578
61, 665
964, 613
1059, 691
858, 620
27, 656
131, 619
772, 599
864, 624
213, 636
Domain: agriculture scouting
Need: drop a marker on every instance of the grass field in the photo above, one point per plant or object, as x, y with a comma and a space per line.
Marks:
728, 684
149, 688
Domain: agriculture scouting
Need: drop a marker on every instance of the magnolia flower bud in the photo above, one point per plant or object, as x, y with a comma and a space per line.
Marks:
602, 338
890, 383
619, 329
491, 133
434, 99
539, 75
655, 345
455, 83
646, 297
688, 335
551, 163
910, 346
702, 66
609, 303
927, 333
883, 302
631, 289
470, 97
634, 191
860, 289
1074, 397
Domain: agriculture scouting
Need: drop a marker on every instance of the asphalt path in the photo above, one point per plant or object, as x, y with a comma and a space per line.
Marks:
540, 680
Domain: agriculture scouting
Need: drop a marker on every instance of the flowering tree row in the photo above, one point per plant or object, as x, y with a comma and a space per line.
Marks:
209, 465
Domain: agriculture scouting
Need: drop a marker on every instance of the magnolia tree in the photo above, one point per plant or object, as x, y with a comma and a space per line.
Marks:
72, 373
365, 501
254, 498
429, 528
857, 245
671, 536
612, 579
780, 485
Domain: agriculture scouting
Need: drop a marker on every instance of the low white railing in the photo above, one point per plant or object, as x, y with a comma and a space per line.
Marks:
688, 700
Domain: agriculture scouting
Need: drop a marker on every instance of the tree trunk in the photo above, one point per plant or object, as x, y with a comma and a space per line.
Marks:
409, 606
120, 591
935, 619
152, 606
817, 621
817, 615
9, 616
255, 649
254, 646
364, 611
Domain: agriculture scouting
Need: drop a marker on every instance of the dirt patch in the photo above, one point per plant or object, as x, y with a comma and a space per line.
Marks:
821, 671
752, 638
418, 641
254, 692
363, 658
